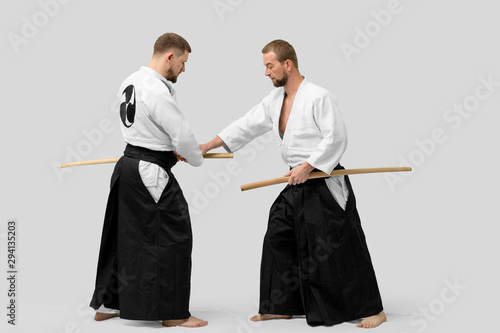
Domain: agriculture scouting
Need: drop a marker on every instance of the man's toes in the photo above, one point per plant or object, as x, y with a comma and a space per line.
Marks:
363, 324
99, 316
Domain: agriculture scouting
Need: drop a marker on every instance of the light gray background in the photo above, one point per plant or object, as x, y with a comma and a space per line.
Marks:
438, 224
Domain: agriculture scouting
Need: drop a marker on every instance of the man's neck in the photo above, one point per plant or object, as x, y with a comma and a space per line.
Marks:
293, 84
154, 65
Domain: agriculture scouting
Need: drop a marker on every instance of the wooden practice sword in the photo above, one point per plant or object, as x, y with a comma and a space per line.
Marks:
314, 175
114, 160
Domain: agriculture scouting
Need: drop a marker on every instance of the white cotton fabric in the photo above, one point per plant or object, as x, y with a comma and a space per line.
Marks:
103, 309
159, 124
315, 131
154, 177
338, 189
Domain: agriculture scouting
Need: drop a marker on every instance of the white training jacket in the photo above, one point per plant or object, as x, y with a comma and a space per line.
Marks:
315, 131
158, 123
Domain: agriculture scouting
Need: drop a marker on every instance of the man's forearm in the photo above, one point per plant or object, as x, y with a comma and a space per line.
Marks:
214, 143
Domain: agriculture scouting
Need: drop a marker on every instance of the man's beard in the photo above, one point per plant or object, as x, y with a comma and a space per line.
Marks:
281, 82
171, 76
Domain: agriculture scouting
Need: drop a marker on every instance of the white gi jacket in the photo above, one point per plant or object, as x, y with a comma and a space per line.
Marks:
158, 124
315, 131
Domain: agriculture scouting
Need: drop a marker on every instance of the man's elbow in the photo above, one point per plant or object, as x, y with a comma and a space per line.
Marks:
198, 163
344, 144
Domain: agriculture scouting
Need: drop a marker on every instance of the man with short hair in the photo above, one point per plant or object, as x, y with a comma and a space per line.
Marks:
144, 268
315, 261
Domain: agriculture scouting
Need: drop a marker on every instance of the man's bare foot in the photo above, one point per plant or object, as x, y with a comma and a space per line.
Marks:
373, 321
99, 316
190, 322
260, 317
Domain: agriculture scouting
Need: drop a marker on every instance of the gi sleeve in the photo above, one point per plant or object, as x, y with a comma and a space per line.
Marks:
331, 125
252, 125
164, 112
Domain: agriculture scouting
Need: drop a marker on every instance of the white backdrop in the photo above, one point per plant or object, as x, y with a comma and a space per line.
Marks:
418, 83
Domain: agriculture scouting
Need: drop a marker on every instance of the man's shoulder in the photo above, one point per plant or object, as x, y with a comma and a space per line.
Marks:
133, 78
314, 90
145, 84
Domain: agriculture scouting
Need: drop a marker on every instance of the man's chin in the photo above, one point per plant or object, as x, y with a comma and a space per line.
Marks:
278, 83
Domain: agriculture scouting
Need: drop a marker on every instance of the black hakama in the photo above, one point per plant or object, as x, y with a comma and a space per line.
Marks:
144, 267
315, 261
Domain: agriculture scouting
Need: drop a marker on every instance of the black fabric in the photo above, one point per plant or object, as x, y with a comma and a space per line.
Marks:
144, 267
165, 159
127, 108
315, 261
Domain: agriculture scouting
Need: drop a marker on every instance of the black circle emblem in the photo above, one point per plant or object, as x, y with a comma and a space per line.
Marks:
127, 109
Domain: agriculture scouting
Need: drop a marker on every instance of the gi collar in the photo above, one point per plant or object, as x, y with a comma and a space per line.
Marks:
154, 73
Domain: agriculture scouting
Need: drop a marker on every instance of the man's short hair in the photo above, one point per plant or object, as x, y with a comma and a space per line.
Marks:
171, 41
283, 50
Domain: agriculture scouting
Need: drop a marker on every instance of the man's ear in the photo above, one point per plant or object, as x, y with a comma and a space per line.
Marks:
169, 56
288, 64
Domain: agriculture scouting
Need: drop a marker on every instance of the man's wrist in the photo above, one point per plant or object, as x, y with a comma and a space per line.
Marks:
308, 166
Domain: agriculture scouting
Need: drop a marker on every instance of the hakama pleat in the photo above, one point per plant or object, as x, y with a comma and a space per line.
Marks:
144, 267
315, 260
